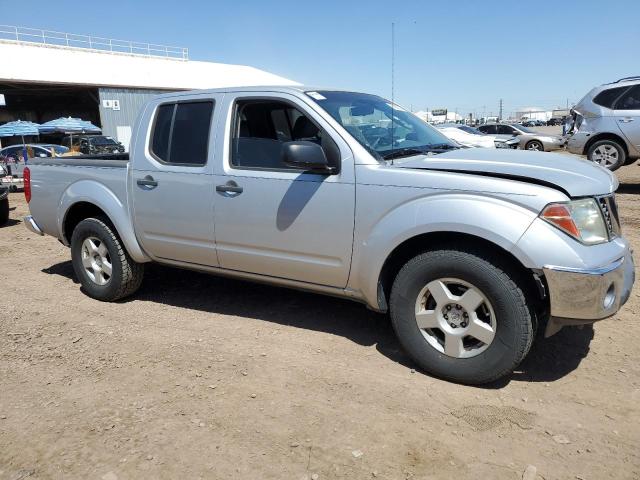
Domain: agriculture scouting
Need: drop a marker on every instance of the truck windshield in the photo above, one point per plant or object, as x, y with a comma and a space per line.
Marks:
385, 130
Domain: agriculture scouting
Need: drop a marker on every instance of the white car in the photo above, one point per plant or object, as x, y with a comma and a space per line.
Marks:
472, 137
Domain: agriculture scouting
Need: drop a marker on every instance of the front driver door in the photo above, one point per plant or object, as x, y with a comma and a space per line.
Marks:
172, 181
272, 219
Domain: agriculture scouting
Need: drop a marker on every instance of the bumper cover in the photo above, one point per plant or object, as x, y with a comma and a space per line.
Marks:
580, 296
32, 226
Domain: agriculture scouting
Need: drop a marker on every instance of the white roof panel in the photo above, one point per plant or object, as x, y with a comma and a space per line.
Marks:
62, 65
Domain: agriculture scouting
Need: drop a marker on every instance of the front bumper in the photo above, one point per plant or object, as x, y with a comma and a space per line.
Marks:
578, 296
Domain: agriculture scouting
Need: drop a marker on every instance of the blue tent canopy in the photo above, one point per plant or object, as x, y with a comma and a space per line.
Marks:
19, 128
69, 125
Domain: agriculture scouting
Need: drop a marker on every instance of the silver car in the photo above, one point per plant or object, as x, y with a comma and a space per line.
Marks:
606, 124
529, 139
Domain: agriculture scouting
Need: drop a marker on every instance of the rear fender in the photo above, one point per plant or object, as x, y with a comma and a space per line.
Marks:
102, 197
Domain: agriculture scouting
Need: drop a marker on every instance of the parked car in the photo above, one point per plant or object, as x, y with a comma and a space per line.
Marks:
92, 144
4, 199
529, 139
553, 122
33, 150
472, 137
13, 159
470, 250
606, 124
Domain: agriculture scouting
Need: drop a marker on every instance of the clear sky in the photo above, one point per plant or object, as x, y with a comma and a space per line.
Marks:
459, 54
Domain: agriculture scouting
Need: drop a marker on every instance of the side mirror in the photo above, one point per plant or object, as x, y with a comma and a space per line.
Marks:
306, 156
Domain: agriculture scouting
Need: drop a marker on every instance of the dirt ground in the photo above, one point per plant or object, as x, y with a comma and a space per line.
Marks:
201, 377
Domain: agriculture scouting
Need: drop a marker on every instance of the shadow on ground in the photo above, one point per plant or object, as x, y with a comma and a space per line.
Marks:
11, 222
631, 188
549, 359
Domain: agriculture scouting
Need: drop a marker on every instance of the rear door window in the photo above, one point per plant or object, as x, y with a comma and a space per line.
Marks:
630, 100
180, 133
606, 98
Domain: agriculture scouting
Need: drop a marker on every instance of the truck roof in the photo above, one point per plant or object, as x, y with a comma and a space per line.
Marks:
257, 88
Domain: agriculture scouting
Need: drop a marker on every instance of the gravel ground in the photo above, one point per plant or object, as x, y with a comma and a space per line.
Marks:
201, 377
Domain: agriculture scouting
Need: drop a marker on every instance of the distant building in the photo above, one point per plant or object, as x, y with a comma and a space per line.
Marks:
445, 117
45, 75
533, 113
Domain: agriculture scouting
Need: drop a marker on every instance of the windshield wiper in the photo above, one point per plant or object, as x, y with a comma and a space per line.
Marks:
441, 146
403, 152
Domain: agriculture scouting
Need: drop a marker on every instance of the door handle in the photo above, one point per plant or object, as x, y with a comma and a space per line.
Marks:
626, 120
148, 182
230, 188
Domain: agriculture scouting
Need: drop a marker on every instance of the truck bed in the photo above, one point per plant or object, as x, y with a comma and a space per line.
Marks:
60, 181
101, 160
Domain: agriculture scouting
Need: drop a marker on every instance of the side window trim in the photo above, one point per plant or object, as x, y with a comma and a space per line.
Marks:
175, 104
235, 130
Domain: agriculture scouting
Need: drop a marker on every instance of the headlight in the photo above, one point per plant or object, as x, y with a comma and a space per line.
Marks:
499, 144
582, 219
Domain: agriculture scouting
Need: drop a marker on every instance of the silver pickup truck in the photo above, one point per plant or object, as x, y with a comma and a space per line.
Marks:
471, 251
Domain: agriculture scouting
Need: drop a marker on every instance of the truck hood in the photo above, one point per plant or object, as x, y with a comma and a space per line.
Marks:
573, 176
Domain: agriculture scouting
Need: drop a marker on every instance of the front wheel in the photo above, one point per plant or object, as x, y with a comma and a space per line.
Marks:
4, 211
460, 317
535, 146
101, 263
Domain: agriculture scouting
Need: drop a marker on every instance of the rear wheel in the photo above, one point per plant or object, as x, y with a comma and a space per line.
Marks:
101, 263
535, 146
4, 211
460, 317
607, 153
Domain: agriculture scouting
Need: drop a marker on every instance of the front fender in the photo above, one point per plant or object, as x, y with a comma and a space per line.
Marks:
101, 196
493, 219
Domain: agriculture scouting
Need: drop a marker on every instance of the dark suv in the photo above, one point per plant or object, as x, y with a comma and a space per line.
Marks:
92, 144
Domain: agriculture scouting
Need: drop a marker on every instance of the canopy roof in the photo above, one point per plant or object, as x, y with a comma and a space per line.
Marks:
22, 62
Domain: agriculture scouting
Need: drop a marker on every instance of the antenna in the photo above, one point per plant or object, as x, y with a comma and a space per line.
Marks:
393, 63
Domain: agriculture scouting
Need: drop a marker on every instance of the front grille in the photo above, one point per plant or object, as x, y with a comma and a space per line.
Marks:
610, 213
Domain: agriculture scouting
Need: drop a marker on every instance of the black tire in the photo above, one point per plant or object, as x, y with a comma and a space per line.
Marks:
4, 211
621, 154
514, 332
126, 274
539, 147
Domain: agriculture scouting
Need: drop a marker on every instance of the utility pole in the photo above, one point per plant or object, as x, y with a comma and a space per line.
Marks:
500, 110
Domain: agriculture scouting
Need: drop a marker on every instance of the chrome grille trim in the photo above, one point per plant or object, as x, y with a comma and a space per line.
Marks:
610, 214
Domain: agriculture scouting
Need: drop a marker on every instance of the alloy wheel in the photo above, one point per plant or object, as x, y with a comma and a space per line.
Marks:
455, 317
605, 155
96, 260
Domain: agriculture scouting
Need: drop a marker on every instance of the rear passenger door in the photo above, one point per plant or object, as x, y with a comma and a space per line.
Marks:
627, 115
273, 219
171, 180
